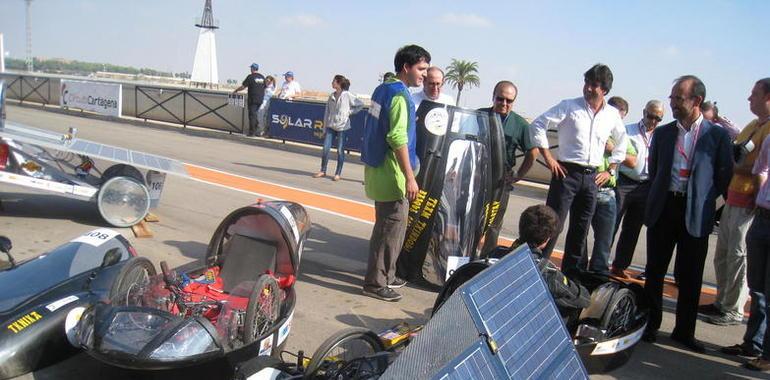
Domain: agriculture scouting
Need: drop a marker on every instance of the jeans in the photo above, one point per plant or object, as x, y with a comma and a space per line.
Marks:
253, 119
385, 244
603, 224
758, 276
330, 134
730, 260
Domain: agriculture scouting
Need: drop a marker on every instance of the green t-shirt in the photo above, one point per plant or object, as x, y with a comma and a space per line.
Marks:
613, 181
516, 131
386, 183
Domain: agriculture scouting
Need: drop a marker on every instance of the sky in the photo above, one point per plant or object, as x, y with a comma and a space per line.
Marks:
543, 46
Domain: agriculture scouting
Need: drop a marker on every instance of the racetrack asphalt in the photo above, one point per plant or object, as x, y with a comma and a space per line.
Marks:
232, 171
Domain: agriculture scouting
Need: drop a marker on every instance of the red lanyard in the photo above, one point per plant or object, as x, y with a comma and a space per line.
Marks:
680, 147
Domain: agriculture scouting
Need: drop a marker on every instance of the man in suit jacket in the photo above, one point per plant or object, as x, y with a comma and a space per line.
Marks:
690, 165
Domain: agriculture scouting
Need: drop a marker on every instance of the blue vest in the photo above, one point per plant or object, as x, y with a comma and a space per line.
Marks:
377, 125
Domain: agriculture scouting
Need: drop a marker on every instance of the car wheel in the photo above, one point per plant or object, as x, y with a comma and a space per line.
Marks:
263, 309
619, 313
131, 282
340, 349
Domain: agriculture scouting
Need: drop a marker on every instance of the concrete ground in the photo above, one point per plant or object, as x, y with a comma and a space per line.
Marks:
332, 267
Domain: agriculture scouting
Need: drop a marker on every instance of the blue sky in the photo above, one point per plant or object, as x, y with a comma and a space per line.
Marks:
543, 46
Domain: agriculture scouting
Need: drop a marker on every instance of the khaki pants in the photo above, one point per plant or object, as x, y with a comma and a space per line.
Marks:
730, 260
386, 242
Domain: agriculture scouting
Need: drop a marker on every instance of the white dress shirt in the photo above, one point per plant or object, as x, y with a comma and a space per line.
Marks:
582, 133
640, 139
443, 98
684, 149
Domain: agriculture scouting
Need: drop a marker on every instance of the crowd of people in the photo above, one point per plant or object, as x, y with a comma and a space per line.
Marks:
612, 177
606, 175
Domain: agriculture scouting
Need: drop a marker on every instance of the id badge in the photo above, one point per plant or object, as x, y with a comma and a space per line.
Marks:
684, 173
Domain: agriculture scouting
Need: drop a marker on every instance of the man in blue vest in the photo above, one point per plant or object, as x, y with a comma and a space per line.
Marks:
390, 159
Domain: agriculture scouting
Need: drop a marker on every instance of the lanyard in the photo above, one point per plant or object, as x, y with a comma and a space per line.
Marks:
680, 147
643, 132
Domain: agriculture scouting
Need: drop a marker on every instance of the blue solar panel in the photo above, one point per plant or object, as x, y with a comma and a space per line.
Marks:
510, 303
476, 362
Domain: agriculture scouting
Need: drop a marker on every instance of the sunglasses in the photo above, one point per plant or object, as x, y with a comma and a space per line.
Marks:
654, 117
504, 100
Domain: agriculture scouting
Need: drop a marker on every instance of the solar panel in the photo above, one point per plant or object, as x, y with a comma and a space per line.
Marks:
51, 140
476, 362
510, 303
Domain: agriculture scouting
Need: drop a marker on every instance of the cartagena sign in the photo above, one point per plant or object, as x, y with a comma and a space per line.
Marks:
103, 98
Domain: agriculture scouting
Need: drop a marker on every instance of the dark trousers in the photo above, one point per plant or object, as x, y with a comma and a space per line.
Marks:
758, 276
575, 195
632, 200
385, 243
253, 118
670, 231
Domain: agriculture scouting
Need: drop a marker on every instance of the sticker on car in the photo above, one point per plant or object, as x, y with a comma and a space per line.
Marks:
96, 237
53, 306
266, 346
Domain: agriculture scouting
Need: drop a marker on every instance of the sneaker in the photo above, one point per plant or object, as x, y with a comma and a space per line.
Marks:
385, 294
710, 309
724, 320
397, 283
758, 364
739, 350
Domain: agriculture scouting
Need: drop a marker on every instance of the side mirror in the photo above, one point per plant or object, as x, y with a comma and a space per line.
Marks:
5, 244
111, 258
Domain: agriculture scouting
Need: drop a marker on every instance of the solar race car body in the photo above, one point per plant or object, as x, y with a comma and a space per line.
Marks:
238, 306
40, 293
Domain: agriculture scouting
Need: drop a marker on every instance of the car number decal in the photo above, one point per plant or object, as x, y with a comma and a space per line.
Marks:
53, 306
96, 237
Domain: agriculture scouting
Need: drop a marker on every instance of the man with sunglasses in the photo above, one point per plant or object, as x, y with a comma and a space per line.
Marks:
583, 125
632, 187
431, 89
516, 132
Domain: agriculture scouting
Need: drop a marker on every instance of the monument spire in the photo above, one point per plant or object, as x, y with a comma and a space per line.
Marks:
205, 64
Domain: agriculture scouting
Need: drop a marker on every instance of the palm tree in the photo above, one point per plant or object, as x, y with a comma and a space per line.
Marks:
462, 73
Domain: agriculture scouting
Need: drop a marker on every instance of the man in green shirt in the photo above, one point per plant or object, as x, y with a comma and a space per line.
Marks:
516, 131
390, 160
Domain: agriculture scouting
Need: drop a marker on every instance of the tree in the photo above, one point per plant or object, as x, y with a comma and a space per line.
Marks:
460, 74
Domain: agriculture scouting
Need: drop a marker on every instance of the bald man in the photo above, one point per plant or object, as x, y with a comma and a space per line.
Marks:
633, 186
516, 131
431, 89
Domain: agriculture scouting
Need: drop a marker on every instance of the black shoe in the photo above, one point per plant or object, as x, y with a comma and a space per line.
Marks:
397, 283
650, 336
710, 309
739, 350
385, 294
641, 276
724, 320
691, 343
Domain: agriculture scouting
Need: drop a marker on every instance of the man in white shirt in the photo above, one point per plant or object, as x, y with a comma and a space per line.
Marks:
633, 186
583, 125
290, 87
431, 89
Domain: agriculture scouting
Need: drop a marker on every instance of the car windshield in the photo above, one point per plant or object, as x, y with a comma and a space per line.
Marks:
45, 271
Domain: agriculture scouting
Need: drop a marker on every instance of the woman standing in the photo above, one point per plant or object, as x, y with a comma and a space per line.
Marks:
339, 107
261, 114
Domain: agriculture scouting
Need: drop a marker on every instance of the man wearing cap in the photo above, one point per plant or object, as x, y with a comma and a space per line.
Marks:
290, 88
255, 82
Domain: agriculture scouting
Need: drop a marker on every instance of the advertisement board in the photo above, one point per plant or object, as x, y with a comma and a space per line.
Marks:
102, 98
304, 122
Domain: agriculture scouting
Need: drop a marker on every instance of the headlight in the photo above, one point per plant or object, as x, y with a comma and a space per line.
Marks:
190, 340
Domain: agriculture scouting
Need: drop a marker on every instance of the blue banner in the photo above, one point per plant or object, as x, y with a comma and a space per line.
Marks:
303, 121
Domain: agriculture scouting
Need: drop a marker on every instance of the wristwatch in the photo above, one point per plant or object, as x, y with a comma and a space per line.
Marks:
613, 172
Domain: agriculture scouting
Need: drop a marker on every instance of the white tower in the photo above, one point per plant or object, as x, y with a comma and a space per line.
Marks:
205, 63
28, 18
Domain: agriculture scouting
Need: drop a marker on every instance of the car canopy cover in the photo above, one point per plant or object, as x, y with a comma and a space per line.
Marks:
279, 225
461, 184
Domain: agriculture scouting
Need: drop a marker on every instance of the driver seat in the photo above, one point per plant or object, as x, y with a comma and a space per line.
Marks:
245, 259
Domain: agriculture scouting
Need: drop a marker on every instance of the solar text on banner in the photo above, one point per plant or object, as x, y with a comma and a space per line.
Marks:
304, 122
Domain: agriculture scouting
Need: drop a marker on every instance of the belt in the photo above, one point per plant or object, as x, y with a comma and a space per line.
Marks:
762, 213
579, 168
678, 194
629, 179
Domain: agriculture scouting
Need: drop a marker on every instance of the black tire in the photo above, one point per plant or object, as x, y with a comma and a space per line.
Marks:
263, 309
128, 285
619, 313
352, 343
123, 170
